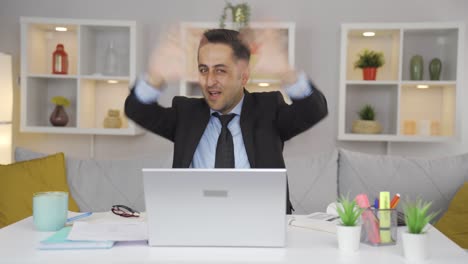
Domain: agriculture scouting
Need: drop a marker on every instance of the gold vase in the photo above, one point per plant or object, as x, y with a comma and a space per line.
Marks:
113, 119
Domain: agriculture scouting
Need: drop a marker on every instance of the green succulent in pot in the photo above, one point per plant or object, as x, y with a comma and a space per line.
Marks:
348, 211
369, 59
417, 215
367, 123
367, 113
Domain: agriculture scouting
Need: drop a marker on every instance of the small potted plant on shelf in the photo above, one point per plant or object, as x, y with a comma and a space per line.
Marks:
415, 239
367, 123
369, 61
59, 117
349, 231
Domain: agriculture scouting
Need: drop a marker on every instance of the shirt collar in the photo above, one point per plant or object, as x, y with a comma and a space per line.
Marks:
236, 110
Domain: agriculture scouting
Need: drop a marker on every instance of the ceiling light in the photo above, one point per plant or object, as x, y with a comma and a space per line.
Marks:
422, 86
368, 34
62, 29
112, 81
263, 84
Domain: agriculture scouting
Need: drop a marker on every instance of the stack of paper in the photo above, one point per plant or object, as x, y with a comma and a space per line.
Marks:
59, 240
105, 231
316, 221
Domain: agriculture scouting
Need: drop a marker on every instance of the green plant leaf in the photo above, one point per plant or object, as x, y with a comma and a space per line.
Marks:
60, 100
367, 113
417, 216
348, 211
369, 58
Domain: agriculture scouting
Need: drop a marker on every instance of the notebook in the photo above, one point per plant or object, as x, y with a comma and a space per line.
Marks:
216, 207
59, 241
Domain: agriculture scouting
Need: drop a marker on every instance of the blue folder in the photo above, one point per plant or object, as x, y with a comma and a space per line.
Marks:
59, 241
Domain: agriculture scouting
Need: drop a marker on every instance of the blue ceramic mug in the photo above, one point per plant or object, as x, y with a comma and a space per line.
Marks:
50, 210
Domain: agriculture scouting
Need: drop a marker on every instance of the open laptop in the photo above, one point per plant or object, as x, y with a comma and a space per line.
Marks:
216, 207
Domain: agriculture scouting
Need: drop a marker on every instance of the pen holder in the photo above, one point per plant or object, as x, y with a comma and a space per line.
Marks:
379, 227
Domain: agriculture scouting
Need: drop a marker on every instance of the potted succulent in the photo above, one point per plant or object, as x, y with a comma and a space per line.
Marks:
367, 123
240, 15
349, 231
415, 239
369, 61
59, 117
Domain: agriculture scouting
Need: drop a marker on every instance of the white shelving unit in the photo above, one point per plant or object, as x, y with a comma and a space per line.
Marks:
398, 102
91, 91
191, 34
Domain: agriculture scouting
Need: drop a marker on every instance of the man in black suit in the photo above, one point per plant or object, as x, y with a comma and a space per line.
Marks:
260, 123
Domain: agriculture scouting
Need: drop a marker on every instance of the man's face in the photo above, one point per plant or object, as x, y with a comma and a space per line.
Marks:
222, 77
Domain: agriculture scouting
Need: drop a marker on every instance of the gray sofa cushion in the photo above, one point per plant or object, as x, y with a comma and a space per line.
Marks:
312, 181
96, 185
435, 180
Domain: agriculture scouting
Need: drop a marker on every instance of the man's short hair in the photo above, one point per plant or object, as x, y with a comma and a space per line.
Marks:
228, 37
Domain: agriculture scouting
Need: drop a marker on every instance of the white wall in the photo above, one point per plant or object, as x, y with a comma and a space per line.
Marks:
317, 53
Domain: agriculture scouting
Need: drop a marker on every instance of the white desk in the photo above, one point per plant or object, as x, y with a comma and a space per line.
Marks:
18, 242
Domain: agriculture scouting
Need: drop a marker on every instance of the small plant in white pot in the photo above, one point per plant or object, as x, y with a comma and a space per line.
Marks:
415, 239
366, 123
349, 230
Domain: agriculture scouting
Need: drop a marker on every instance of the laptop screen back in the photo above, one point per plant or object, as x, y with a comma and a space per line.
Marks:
216, 207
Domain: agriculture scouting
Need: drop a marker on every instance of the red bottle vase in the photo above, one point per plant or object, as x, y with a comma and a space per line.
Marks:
59, 60
369, 73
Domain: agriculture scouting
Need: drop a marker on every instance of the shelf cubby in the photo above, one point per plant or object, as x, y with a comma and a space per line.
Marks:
91, 89
408, 110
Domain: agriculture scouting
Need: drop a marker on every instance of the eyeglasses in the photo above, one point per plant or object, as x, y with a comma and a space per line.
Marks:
124, 211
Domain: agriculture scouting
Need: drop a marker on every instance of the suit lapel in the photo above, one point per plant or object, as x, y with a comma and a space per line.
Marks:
198, 122
247, 121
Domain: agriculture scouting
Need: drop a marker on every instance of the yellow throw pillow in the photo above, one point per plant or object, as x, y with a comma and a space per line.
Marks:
454, 222
19, 181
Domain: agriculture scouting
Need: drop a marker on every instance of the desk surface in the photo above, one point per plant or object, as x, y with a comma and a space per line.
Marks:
18, 245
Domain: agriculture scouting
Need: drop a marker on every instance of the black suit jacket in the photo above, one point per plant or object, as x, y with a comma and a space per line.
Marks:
266, 122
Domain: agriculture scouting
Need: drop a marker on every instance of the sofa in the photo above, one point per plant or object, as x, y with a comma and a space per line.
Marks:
96, 185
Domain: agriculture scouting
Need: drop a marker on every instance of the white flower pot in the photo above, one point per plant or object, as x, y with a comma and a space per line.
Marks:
415, 246
348, 237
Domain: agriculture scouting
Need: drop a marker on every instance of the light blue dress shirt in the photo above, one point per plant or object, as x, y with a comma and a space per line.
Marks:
205, 152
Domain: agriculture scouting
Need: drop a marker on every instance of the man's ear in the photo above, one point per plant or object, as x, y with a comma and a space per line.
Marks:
245, 71
245, 76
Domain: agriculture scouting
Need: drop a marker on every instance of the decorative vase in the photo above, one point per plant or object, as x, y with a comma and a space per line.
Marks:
435, 67
113, 119
415, 246
59, 117
369, 73
424, 127
59, 60
366, 127
349, 237
416, 68
111, 60
409, 127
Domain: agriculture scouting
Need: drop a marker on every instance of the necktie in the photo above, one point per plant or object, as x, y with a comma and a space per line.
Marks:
225, 145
